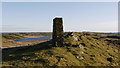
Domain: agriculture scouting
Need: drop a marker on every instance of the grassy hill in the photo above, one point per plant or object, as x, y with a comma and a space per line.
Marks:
80, 49
12, 36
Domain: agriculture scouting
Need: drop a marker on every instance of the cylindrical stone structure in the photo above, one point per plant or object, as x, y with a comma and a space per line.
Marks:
57, 32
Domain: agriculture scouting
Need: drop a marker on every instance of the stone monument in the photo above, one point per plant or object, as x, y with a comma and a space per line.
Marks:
57, 32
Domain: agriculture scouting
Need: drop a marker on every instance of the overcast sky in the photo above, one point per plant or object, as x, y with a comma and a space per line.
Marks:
77, 16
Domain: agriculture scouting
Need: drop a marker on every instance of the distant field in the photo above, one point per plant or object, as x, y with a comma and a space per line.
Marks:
7, 38
97, 49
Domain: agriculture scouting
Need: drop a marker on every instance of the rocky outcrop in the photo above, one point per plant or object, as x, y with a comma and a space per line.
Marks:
80, 57
81, 47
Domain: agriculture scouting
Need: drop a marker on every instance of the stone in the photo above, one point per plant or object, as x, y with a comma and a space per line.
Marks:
81, 47
82, 52
74, 36
80, 57
57, 32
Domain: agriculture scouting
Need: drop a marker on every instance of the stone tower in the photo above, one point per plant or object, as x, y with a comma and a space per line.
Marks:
57, 32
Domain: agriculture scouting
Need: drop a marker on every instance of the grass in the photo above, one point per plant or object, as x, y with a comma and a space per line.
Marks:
95, 53
12, 36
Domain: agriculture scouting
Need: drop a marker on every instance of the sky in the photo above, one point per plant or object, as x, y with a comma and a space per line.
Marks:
59, 0
77, 16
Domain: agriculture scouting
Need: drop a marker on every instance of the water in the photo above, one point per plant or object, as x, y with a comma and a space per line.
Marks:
31, 39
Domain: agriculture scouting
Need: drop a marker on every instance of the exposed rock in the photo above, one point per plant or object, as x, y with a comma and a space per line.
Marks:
75, 37
80, 57
81, 47
81, 52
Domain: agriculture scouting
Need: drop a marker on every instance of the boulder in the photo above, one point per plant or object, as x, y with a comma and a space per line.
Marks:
75, 37
80, 57
81, 47
81, 52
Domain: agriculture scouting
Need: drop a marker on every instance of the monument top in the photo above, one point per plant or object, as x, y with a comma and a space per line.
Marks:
58, 18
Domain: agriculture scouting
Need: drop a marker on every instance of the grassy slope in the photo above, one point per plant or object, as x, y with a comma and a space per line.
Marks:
7, 39
12, 36
96, 52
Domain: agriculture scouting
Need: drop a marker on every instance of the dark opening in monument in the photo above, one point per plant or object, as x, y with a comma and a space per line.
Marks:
58, 32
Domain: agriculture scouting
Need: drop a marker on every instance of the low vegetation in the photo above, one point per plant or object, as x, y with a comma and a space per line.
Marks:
80, 49
12, 36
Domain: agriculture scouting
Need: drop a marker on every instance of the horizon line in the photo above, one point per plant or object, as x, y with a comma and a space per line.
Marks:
64, 31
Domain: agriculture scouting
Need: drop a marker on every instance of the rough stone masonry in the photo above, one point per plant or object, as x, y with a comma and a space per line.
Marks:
58, 32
